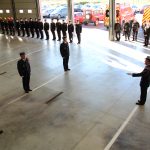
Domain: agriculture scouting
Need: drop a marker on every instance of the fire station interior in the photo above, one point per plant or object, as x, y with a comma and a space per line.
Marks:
91, 107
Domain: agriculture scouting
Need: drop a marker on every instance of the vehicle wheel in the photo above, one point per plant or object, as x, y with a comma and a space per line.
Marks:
85, 23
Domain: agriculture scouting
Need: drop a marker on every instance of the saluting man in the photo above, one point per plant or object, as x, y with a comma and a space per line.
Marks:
24, 70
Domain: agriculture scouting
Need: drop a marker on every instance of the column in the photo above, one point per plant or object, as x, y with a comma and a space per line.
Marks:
112, 18
70, 10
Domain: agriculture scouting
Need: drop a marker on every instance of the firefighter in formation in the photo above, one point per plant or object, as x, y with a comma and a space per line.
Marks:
35, 28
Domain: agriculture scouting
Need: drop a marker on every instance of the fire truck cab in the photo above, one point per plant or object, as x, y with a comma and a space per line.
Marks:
93, 16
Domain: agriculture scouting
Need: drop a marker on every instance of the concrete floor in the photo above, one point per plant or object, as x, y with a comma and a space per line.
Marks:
97, 96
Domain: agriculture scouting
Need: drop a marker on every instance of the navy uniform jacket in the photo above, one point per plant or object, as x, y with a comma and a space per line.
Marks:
23, 67
64, 50
70, 28
78, 28
58, 26
145, 76
53, 26
46, 26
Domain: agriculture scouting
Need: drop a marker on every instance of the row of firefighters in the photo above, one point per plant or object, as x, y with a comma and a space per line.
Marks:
31, 27
132, 26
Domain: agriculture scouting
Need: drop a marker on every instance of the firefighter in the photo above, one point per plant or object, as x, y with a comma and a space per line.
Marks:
64, 28
70, 31
36, 28
58, 28
17, 25
135, 28
78, 31
146, 30
53, 28
22, 26
40, 27
31, 24
126, 30
117, 29
2, 25
46, 29
27, 27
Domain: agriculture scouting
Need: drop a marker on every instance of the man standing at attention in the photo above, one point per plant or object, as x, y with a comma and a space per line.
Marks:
78, 31
46, 29
64, 51
145, 81
70, 31
24, 70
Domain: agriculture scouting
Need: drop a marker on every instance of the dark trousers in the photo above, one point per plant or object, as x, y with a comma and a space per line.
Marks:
3, 30
64, 33
146, 42
23, 31
118, 36
27, 32
47, 34
79, 37
54, 35
59, 34
41, 33
32, 32
143, 94
18, 31
135, 33
7, 31
26, 82
70, 36
127, 35
37, 33
65, 63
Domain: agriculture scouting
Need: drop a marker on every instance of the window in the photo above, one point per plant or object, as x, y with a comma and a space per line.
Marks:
21, 11
7, 11
29, 11
1, 11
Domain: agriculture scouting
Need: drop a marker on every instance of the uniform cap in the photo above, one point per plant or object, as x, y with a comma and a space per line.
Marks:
148, 58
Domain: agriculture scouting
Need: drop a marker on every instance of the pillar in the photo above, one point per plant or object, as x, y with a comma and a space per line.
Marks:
112, 18
70, 10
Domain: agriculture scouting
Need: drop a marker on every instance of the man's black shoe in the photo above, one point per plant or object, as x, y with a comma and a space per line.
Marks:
1, 131
30, 90
26, 91
139, 103
68, 69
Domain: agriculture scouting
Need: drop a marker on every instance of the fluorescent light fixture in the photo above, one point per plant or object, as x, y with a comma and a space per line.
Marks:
29, 11
1, 11
7, 11
21, 11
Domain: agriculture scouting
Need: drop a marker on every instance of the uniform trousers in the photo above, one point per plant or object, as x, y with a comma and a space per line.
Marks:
143, 94
26, 81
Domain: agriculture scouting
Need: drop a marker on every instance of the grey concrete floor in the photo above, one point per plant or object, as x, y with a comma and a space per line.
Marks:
97, 96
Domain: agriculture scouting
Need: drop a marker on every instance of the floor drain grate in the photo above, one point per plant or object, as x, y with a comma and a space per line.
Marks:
54, 97
2, 73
